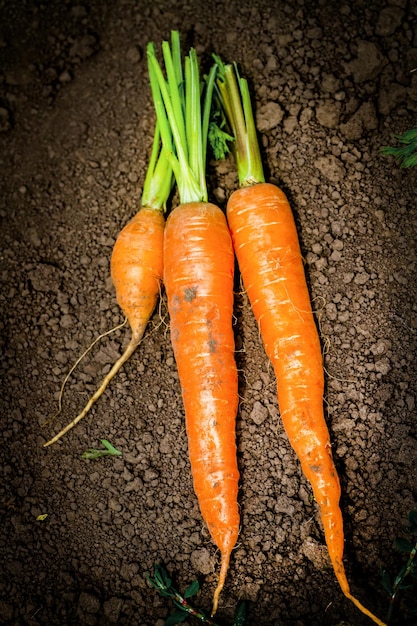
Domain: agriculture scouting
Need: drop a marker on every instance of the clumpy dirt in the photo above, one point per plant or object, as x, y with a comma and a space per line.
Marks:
332, 82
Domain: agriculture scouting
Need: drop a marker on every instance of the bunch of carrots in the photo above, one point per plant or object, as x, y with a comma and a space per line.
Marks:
192, 254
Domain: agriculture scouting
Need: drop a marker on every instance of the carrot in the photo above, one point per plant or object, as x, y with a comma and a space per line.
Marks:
270, 262
137, 264
198, 279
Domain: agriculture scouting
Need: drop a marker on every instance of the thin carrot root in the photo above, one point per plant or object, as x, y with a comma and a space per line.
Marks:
77, 362
344, 585
364, 610
222, 577
131, 347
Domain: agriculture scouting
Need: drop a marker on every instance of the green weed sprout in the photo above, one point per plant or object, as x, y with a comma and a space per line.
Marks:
406, 578
405, 154
183, 609
93, 453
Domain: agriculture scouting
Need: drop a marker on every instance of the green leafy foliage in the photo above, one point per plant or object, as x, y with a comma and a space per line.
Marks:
177, 617
192, 589
162, 582
412, 520
403, 545
218, 138
405, 154
93, 453
386, 582
404, 581
240, 617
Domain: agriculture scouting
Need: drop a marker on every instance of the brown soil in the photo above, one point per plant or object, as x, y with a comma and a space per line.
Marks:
332, 83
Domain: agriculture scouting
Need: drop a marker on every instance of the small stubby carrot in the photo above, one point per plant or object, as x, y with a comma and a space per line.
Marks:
198, 280
267, 248
137, 272
136, 265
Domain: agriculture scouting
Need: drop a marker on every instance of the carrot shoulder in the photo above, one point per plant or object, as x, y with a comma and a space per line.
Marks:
267, 249
198, 278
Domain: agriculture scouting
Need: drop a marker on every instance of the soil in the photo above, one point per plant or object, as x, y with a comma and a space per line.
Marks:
332, 82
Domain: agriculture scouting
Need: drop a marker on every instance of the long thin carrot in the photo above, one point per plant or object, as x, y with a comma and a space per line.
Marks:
137, 262
266, 244
198, 279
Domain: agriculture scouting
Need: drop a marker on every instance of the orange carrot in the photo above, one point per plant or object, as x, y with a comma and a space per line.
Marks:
137, 266
268, 253
198, 279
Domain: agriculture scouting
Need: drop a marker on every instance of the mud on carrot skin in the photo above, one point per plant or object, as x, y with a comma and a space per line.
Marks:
266, 244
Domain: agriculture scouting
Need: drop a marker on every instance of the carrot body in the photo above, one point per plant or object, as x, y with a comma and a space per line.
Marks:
198, 279
137, 267
268, 252
136, 271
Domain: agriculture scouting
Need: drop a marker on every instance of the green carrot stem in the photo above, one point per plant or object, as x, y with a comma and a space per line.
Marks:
236, 102
159, 179
158, 84
174, 81
176, 57
210, 82
179, 114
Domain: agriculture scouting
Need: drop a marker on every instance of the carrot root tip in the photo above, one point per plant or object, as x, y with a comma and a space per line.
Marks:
222, 577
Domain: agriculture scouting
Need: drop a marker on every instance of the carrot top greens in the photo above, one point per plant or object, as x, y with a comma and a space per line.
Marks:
159, 180
235, 99
183, 113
